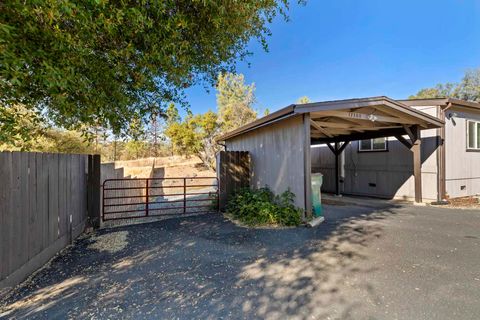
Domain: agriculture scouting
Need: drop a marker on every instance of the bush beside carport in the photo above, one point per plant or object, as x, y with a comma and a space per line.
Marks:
260, 207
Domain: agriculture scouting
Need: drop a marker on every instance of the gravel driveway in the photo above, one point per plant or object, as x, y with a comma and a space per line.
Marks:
396, 262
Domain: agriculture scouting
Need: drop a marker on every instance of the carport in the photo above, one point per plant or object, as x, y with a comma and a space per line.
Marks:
279, 144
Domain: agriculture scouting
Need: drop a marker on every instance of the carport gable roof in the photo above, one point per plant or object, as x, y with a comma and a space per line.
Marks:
352, 119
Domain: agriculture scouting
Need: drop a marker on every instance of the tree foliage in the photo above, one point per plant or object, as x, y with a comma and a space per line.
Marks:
45, 139
196, 135
63, 141
182, 137
303, 100
439, 91
154, 134
136, 144
19, 127
171, 114
467, 89
101, 62
39, 137
235, 101
208, 128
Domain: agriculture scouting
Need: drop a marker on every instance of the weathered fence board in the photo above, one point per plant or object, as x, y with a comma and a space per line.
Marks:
42, 201
233, 173
18, 243
53, 197
63, 194
43, 206
5, 178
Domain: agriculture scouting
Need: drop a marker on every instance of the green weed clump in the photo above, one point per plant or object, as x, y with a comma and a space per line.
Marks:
260, 207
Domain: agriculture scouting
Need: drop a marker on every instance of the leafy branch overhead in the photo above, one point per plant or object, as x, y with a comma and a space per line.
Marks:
101, 62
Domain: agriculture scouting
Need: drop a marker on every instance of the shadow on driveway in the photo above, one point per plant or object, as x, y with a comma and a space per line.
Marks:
206, 267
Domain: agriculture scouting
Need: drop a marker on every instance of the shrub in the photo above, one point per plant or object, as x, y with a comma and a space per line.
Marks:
261, 207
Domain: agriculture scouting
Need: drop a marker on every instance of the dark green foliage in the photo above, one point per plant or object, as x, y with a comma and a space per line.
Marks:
104, 62
261, 207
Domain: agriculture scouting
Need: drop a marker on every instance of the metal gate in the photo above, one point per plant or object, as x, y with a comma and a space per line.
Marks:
149, 197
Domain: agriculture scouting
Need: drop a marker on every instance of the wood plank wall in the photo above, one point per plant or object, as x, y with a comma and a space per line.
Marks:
40, 193
234, 173
277, 153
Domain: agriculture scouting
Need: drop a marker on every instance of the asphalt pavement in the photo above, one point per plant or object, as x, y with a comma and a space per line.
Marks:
392, 261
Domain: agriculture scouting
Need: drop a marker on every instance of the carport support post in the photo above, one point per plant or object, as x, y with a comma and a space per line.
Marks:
337, 170
307, 166
417, 162
337, 151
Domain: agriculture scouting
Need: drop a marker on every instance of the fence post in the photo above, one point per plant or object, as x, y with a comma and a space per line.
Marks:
218, 195
184, 195
147, 196
93, 191
222, 186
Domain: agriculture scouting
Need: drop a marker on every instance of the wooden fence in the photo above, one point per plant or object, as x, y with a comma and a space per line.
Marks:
233, 173
44, 199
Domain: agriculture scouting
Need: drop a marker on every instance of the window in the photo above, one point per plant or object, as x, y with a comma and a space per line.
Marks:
473, 135
378, 144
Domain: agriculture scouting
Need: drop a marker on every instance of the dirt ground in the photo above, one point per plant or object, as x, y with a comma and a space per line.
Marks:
465, 203
165, 167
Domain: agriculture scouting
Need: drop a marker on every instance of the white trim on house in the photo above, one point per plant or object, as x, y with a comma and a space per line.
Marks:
473, 143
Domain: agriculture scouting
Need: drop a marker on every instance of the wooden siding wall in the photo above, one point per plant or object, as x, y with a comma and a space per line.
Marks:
277, 156
462, 167
43, 207
381, 174
233, 173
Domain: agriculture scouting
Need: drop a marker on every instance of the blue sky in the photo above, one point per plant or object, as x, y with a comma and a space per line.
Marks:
339, 49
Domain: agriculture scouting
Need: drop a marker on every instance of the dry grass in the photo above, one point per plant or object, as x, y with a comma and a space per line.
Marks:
110, 242
464, 203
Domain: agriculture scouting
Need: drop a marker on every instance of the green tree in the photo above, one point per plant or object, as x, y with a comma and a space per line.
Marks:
439, 91
102, 62
135, 149
467, 89
303, 100
154, 135
196, 136
136, 145
171, 114
207, 129
235, 101
63, 141
19, 127
50, 140
96, 136
182, 136
173, 129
